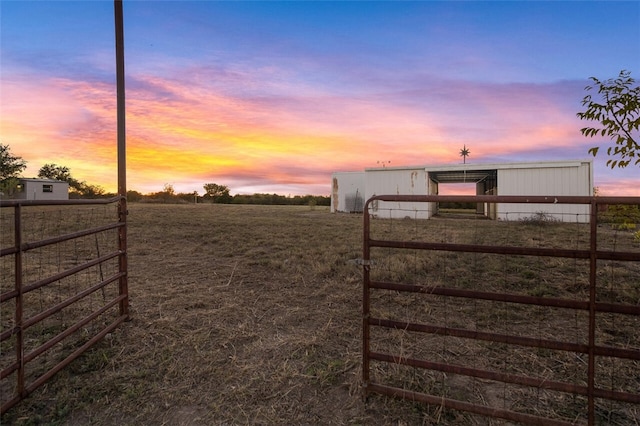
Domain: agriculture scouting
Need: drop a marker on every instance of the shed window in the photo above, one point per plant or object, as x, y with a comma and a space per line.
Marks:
47, 188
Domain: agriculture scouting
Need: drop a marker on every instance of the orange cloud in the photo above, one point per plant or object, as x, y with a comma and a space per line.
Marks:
188, 133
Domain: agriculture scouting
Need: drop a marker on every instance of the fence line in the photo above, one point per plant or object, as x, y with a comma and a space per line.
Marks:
534, 321
66, 295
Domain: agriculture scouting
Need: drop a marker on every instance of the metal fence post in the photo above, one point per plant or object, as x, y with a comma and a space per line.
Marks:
365, 299
19, 301
593, 260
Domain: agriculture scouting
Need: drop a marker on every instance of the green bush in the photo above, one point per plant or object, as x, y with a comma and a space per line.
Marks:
621, 216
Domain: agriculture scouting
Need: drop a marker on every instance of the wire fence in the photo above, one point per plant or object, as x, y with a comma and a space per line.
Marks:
62, 287
534, 320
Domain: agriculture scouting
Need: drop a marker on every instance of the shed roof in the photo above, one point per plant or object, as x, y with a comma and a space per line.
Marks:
486, 166
42, 180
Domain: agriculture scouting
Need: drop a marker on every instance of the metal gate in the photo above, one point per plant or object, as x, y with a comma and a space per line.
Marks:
535, 320
63, 286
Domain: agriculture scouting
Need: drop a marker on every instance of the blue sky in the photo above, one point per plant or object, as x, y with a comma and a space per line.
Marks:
274, 96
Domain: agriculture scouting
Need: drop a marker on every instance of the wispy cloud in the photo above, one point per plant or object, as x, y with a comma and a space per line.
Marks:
184, 129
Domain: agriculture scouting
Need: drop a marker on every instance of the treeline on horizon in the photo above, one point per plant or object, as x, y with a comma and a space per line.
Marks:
12, 166
168, 197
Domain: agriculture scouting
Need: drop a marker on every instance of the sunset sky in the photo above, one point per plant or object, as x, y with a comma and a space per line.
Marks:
275, 96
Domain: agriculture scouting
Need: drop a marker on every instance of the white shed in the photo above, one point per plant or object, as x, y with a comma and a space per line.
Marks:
41, 189
554, 178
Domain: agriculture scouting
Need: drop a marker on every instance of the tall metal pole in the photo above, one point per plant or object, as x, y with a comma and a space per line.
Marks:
122, 164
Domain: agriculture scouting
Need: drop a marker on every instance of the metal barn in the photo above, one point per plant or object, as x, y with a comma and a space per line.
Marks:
555, 178
41, 189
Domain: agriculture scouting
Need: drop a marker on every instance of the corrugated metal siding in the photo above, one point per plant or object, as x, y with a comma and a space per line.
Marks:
347, 192
548, 181
397, 182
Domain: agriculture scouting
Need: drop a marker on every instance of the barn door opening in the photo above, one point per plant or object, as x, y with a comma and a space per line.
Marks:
464, 182
457, 209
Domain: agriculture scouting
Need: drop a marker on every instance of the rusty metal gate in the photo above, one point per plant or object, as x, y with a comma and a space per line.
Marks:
533, 320
63, 286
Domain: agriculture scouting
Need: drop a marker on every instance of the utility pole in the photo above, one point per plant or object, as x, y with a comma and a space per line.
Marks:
122, 157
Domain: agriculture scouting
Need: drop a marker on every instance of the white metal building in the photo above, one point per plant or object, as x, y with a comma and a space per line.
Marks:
41, 189
555, 178
347, 192
398, 181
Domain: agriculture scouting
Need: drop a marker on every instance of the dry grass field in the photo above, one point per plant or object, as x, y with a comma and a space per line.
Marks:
252, 315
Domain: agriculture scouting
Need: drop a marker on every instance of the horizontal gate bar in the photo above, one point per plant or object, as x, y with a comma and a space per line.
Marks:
44, 314
484, 295
526, 199
54, 309
506, 377
42, 379
75, 202
506, 297
617, 308
608, 351
512, 250
54, 240
478, 248
28, 357
61, 336
465, 406
481, 335
613, 352
53, 278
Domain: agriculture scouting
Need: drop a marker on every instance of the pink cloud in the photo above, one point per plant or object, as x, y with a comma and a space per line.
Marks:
189, 131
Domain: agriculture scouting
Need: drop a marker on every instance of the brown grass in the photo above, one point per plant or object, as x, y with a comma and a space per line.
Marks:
252, 315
